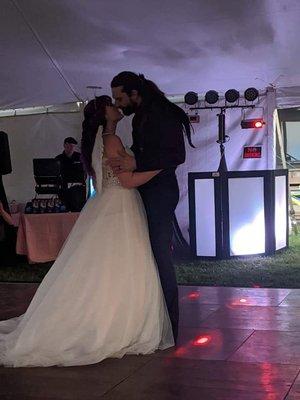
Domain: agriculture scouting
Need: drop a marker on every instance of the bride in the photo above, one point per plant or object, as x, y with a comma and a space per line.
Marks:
102, 297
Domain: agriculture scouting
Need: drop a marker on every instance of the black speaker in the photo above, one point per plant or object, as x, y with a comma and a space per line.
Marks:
75, 197
46, 167
5, 162
47, 175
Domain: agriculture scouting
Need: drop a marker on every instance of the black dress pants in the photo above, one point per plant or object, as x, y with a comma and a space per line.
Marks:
160, 200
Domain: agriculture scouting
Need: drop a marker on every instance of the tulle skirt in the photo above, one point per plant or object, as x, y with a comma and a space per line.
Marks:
101, 298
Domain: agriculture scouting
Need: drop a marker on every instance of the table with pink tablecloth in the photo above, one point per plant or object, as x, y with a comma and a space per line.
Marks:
41, 236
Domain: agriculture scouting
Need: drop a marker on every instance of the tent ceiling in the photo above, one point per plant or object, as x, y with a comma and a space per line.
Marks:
51, 50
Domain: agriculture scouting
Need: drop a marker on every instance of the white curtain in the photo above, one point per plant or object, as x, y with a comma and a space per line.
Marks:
38, 136
34, 136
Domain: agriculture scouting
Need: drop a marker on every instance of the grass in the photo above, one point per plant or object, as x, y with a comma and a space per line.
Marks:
24, 272
281, 270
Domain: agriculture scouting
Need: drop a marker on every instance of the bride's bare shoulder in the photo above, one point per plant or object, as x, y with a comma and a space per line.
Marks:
112, 144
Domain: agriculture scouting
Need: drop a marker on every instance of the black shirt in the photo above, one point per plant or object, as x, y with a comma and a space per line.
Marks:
69, 165
158, 141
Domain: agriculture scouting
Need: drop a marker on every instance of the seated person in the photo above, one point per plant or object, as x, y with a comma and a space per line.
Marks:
72, 172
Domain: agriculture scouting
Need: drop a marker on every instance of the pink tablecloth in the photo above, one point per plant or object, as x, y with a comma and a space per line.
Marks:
41, 236
16, 218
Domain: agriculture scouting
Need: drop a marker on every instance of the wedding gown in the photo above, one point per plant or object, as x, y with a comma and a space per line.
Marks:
102, 297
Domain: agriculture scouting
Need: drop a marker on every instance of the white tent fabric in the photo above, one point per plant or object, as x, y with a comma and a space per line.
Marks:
52, 50
42, 136
288, 97
38, 136
34, 136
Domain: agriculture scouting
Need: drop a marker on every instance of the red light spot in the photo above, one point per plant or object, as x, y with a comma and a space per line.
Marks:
202, 341
194, 295
258, 124
256, 286
180, 351
243, 301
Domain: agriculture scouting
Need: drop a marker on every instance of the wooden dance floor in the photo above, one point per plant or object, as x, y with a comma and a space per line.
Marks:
234, 344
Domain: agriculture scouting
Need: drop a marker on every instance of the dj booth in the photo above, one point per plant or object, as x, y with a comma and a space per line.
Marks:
68, 184
238, 213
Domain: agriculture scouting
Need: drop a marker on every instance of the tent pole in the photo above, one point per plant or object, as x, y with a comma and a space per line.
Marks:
280, 140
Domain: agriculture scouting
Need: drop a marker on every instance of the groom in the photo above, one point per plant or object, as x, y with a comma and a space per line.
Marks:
158, 143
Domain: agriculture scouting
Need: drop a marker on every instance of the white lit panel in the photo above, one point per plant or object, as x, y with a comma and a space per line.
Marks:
205, 218
280, 212
246, 215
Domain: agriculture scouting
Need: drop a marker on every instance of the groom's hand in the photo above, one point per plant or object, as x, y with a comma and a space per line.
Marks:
123, 163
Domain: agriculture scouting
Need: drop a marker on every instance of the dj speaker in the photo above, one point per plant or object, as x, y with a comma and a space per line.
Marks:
47, 175
5, 162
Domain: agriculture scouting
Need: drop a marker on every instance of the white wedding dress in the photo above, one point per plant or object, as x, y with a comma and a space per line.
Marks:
102, 297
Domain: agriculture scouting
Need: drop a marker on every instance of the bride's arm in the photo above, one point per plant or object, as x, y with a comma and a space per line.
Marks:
129, 180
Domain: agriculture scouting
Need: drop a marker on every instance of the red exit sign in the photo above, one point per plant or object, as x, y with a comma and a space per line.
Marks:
252, 152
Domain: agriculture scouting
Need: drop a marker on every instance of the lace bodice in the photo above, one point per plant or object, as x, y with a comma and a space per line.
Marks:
104, 174
109, 179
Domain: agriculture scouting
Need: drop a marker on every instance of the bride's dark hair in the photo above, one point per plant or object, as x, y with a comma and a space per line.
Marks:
94, 116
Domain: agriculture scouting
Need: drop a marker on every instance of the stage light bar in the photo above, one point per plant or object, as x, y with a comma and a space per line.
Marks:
255, 123
191, 98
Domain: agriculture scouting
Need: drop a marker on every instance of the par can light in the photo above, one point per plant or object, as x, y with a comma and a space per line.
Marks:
232, 95
211, 97
191, 98
251, 94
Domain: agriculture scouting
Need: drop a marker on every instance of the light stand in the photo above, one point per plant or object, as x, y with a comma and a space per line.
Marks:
222, 131
222, 140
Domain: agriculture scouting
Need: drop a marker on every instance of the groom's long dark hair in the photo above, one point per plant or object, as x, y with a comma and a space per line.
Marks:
94, 116
150, 92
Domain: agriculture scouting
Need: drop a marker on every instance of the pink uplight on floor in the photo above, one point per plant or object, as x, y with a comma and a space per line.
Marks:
202, 341
194, 295
180, 351
239, 302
